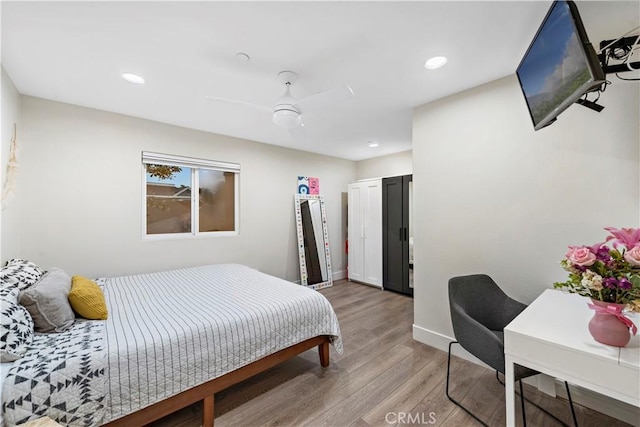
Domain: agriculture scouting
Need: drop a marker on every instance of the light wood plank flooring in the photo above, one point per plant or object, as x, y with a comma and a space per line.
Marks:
382, 374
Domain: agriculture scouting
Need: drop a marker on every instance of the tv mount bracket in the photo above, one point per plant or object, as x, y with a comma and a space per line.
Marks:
619, 47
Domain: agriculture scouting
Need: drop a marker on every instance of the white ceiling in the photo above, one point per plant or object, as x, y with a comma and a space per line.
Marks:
74, 52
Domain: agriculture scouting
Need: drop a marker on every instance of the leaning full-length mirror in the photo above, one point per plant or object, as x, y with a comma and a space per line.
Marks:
313, 241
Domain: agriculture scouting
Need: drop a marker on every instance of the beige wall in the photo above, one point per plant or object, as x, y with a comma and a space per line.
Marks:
390, 165
10, 210
82, 190
495, 197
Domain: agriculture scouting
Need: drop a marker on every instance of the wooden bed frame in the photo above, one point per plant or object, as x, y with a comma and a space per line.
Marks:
206, 391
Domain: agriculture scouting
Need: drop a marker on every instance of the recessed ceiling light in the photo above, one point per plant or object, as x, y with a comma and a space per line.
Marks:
435, 62
373, 144
133, 78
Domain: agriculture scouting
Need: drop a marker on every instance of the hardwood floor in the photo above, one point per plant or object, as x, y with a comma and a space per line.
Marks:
384, 378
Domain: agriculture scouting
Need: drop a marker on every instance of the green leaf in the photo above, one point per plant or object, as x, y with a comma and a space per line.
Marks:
162, 171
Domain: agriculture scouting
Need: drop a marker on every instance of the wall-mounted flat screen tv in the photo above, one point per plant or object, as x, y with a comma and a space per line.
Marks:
560, 65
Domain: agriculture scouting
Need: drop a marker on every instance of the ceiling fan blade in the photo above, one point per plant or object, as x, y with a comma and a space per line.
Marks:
327, 97
233, 101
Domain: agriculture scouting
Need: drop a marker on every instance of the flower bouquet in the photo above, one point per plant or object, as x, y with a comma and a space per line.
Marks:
610, 276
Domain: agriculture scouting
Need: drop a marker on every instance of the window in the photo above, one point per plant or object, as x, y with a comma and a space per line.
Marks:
187, 196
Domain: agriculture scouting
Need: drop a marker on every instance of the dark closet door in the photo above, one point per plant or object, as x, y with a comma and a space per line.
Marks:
407, 232
393, 235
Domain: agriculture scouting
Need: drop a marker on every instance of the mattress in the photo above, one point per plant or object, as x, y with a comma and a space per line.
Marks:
170, 331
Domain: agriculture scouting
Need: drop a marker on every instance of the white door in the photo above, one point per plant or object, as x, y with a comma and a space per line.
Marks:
355, 233
373, 233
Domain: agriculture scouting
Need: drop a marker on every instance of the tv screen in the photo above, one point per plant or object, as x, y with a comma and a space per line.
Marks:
560, 65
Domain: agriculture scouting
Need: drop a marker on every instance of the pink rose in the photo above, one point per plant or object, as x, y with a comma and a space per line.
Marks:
633, 256
570, 252
581, 256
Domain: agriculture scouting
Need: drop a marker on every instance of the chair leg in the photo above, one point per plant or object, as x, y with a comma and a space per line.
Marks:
575, 422
447, 389
573, 411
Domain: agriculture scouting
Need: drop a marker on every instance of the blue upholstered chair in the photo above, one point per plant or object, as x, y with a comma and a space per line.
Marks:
479, 312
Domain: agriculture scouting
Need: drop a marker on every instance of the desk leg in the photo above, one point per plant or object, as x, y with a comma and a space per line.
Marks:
509, 392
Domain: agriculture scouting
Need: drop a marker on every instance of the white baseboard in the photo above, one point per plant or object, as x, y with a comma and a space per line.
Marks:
590, 399
339, 275
441, 342
431, 338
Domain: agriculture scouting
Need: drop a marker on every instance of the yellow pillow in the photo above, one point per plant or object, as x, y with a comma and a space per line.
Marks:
86, 298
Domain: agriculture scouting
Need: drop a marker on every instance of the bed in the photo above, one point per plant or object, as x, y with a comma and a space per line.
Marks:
177, 337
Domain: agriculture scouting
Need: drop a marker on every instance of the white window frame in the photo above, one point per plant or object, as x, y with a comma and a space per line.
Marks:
194, 164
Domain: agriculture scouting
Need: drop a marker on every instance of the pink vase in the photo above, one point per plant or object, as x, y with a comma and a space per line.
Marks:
607, 328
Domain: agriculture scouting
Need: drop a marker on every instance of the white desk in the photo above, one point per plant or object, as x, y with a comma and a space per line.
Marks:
552, 336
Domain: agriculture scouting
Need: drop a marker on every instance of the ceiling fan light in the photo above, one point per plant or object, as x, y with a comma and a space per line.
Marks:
286, 118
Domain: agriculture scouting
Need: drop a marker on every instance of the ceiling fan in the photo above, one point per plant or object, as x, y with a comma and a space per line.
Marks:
287, 111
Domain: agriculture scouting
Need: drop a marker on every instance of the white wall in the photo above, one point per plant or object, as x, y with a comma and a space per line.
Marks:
82, 194
493, 196
10, 211
384, 166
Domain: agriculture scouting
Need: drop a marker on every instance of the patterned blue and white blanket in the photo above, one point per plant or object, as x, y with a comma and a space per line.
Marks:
62, 376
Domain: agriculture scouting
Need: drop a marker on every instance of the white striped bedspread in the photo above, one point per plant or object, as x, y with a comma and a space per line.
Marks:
170, 331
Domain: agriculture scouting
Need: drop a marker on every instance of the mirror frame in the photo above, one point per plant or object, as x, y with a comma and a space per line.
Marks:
303, 262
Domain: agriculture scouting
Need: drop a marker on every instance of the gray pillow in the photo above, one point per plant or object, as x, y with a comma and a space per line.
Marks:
47, 302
